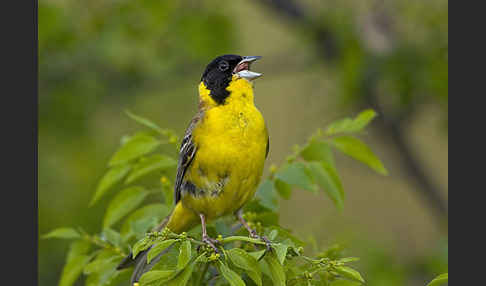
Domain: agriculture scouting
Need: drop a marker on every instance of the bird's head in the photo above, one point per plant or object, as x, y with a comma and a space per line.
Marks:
220, 71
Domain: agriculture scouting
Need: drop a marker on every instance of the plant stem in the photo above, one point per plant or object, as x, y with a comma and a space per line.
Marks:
222, 241
241, 238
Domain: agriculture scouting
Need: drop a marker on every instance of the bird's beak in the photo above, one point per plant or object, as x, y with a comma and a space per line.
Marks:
242, 69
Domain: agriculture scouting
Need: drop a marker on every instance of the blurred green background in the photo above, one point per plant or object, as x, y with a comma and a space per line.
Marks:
322, 60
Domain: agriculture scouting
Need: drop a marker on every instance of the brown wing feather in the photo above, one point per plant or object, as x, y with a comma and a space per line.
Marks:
186, 155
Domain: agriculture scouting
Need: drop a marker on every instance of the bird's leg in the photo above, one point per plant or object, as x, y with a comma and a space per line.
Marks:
205, 238
253, 233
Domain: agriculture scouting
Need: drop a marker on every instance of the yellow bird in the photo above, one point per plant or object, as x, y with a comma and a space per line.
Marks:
222, 154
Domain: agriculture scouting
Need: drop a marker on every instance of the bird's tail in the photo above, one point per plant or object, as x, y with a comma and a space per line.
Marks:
181, 219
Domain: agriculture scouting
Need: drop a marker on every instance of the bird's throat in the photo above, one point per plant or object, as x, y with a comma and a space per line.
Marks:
238, 91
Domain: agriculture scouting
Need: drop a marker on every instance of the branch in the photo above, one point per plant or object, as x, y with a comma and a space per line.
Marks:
394, 130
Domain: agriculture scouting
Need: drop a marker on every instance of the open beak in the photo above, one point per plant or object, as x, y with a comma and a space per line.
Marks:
242, 69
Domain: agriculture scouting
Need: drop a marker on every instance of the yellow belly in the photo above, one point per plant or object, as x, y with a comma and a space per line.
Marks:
231, 146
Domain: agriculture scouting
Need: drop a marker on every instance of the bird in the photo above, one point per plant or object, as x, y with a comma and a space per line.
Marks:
221, 157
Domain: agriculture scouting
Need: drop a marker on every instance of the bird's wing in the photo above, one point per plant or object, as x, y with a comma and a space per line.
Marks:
186, 155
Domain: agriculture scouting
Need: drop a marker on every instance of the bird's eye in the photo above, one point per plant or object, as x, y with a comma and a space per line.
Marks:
223, 66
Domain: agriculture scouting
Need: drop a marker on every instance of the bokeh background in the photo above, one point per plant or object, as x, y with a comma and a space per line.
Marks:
322, 60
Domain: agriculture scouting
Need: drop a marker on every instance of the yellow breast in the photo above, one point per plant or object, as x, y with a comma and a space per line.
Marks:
231, 143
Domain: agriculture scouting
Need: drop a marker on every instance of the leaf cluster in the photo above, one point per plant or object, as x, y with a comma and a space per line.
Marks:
138, 170
312, 166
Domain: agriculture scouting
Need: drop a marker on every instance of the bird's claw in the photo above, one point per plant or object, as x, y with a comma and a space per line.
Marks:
268, 243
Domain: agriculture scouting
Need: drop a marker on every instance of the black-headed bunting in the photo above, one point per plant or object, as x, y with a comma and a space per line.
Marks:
222, 154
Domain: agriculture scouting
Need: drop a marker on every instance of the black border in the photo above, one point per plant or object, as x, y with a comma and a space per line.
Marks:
19, 216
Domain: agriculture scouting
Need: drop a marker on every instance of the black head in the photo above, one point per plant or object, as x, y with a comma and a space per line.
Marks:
219, 72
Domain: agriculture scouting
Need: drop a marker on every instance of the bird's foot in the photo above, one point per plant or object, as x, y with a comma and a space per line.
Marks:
254, 234
268, 243
211, 242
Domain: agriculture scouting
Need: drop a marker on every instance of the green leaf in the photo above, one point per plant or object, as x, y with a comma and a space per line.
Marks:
364, 118
284, 235
112, 236
158, 248
113, 176
348, 125
348, 259
327, 178
119, 277
280, 251
168, 261
339, 126
75, 262
356, 149
439, 280
284, 189
295, 174
232, 277
157, 211
183, 276
184, 254
99, 265
149, 165
257, 254
92, 279
267, 195
273, 234
156, 277
108, 271
318, 151
141, 245
138, 145
349, 273
122, 204
63, 232
145, 122
245, 261
140, 227
108, 276
77, 248
277, 272
73, 269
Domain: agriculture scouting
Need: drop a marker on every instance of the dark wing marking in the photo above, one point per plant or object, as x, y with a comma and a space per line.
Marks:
268, 147
186, 155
